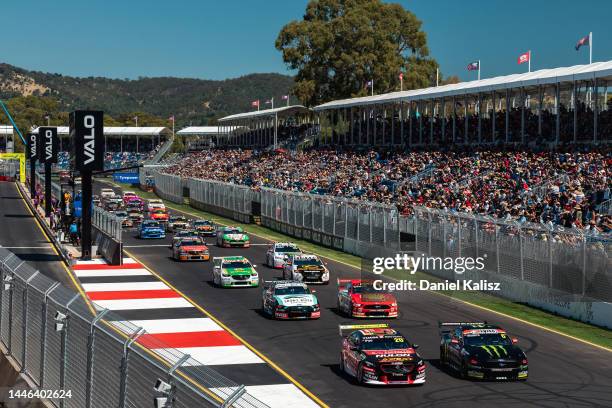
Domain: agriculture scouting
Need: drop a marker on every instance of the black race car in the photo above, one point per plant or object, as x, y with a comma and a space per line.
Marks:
481, 351
377, 354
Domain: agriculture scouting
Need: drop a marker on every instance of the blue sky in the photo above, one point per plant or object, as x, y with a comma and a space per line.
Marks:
221, 39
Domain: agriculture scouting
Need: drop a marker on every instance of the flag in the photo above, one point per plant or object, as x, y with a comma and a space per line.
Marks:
285, 97
171, 118
473, 66
582, 41
523, 58
268, 102
401, 76
255, 103
135, 118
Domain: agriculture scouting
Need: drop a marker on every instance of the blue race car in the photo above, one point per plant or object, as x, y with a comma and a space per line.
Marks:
150, 229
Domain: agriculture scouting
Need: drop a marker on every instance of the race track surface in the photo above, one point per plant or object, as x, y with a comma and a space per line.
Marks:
562, 372
20, 234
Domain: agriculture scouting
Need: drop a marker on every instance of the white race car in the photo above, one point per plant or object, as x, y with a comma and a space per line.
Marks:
106, 192
277, 252
305, 268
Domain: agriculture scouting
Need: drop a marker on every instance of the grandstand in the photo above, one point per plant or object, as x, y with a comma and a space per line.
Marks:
202, 137
517, 148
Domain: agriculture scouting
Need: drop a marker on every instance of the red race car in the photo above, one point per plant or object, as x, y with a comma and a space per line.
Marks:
376, 354
359, 298
159, 215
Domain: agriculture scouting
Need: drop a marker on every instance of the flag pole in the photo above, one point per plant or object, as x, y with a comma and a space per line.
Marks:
479, 70
591, 47
529, 62
372, 86
272, 102
402, 84
437, 75
288, 96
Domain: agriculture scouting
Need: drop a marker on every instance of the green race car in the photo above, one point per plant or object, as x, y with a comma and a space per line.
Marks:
234, 271
229, 237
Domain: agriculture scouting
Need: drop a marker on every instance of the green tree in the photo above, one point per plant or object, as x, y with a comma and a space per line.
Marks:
340, 45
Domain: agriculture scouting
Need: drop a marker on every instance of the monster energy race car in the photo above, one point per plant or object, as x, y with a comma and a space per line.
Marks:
481, 351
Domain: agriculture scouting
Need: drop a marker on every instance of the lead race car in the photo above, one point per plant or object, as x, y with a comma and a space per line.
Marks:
277, 253
289, 300
359, 298
482, 351
376, 354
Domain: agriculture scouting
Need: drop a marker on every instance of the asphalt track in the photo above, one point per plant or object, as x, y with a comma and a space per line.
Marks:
563, 372
20, 234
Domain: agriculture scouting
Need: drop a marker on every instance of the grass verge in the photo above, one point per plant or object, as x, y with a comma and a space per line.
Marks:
593, 335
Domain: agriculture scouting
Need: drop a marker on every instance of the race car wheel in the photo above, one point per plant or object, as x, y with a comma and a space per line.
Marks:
463, 371
342, 368
360, 374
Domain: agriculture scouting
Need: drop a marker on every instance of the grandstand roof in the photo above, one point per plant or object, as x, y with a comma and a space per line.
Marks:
6, 130
284, 110
205, 130
121, 131
535, 78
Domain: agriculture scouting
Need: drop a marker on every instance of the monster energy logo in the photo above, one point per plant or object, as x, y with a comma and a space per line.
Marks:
500, 351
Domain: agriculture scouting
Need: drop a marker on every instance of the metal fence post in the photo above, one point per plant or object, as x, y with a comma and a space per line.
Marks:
370, 222
384, 228
584, 242
124, 365
64, 341
43, 335
476, 235
550, 260
334, 220
10, 315
90, 352
497, 247
24, 326
346, 207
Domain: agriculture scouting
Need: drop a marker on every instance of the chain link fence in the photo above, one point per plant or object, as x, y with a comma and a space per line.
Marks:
228, 200
61, 342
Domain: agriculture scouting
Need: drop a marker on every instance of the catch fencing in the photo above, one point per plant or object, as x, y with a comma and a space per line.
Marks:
567, 260
107, 222
63, 343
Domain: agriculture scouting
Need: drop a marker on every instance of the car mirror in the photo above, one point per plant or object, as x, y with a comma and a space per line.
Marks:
514, 340
415, 346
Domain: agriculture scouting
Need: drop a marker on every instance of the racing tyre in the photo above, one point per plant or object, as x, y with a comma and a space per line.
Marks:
342, 369
463, 371
359, 376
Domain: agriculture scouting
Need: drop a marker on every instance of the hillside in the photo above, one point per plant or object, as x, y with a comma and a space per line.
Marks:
194, 101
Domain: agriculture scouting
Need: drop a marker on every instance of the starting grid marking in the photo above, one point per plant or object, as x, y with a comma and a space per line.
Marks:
203, 339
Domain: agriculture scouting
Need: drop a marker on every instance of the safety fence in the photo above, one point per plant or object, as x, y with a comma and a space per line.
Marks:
91, 356
107, 222
169, 187
569, 260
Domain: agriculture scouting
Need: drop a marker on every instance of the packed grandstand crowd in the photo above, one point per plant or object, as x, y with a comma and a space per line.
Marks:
564, 187
115, 158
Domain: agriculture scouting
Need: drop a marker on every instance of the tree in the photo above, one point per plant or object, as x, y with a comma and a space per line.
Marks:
340, 45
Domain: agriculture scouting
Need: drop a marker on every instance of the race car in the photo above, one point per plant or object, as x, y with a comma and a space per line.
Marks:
234, 271
112, 203
205, 228
154, 203
376, 354
305, 268
135, 215
134, 201
128, 194
177, 223
277, 252
159, 215
482, 351
190, 249
358, 298
232, 237
151, 229
184, 234
107, 192
289, 300
126, 221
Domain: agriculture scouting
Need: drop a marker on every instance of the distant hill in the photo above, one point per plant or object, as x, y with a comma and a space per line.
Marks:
194, 101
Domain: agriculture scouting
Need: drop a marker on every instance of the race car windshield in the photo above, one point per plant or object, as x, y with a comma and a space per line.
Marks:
287, 249
488, 339
292, 290
384, 343
152, 225
121, 214
191, 242
233, 231
201, 223
236, 264
308, 262
177, 219
365, 289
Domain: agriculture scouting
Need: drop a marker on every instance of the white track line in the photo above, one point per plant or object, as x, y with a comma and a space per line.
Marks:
123, 286
135, 304
221, 355
90, 273
196, 324
274, 396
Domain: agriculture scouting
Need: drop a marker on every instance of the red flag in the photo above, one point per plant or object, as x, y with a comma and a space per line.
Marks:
401, 76
523, 58
255, 104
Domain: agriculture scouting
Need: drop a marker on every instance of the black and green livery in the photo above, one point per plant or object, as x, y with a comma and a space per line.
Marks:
482, 351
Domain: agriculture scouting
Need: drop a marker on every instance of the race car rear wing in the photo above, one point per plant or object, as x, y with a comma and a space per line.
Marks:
343, 328
342, 282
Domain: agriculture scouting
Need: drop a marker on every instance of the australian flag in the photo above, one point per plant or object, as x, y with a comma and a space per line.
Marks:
583, 41
473, 66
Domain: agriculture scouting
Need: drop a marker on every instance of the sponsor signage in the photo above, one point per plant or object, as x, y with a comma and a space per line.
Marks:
131, 178
87, 133
32, 146
50, 142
